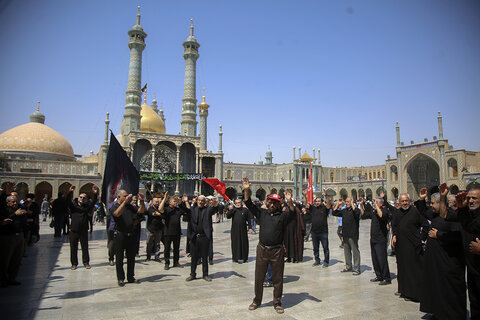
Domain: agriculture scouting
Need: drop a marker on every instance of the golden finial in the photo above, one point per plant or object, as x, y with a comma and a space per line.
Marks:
145, 96
38, 106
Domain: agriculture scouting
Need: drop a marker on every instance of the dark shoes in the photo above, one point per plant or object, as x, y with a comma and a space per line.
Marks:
385, 282
148, 259
325, 265
346, 270
166, 267
279, 309
87, 266
210, 262
207, 278
133, 280
376, 279
253, 306
316, 263
177, 265
190, 278
121, 283
73, 268
111, 263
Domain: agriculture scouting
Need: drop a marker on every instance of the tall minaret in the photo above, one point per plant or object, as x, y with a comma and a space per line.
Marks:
220, 134
134, 95
203, 113
189, 107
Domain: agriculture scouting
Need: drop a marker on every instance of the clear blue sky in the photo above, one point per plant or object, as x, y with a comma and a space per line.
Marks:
333, 75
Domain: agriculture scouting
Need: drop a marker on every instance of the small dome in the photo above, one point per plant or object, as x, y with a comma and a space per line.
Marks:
203, 104
36, 137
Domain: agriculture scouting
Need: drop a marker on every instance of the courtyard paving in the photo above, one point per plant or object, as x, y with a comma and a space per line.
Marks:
50, 290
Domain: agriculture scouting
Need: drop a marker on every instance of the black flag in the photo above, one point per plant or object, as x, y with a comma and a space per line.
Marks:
120, 173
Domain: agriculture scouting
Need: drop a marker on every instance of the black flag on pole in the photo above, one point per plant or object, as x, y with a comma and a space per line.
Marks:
120, 173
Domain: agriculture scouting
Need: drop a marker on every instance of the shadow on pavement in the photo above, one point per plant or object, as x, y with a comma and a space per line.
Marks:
292, 299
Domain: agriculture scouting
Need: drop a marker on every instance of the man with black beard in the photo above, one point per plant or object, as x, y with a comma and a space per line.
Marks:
468, 214
126, 217
239, 231
319, 229
443, 291
409, 229
270, 249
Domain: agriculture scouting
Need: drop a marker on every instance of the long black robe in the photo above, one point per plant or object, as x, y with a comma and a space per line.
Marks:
239, 233
410, 228
443, 288
470, 222
293, 237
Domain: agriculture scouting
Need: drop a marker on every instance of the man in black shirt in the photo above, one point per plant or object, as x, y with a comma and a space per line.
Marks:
380, 216
200, 231
59, 208
13, 222
172, 231
154, 230
272, 221
468, 214
319, 214
80, 209
126, 216
350, 222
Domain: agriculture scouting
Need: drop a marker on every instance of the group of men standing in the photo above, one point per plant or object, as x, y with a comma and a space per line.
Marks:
434, 240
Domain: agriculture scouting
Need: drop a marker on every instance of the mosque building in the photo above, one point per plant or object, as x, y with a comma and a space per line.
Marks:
36, 157
418, 165
39, 159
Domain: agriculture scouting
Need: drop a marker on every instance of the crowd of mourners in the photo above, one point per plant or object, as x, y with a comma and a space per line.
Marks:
435, 239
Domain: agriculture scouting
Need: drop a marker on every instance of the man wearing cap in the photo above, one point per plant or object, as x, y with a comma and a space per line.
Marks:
272, 221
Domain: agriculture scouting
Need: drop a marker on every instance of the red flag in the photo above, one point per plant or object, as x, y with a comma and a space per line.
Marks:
310, 186
218, 186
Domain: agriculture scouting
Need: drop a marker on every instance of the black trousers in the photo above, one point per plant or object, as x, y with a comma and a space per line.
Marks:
111, 244
58, 224
473, 283
11, 253
199, 247
125, 244
83, 238
379, 260
275, 257
66, 224
169, 240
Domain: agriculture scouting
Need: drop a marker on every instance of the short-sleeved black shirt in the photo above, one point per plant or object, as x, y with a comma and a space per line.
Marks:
319, 218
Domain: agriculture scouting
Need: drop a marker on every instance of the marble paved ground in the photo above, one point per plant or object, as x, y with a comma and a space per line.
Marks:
50, 290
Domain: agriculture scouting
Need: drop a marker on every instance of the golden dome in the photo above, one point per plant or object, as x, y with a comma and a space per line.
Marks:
151, 121
35, 137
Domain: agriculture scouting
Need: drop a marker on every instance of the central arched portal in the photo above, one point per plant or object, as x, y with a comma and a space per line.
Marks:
422, 172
